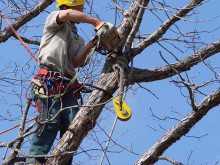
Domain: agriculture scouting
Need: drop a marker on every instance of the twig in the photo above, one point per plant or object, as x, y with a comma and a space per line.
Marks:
170, 160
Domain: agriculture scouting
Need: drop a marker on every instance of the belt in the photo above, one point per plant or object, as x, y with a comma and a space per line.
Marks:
53, 73
53, 80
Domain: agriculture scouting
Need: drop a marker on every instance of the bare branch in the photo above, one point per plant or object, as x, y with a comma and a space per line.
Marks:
7, 32
170, 160
145, 75
165, 26
179, 130
26, 40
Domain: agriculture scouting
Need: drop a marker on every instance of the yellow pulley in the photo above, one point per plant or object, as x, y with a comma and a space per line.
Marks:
123, 114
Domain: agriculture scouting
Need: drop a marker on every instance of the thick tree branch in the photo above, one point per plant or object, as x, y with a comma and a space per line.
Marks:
136, 26
145, 75
126, 26
28, 41
165, 26
20, 21
179, 130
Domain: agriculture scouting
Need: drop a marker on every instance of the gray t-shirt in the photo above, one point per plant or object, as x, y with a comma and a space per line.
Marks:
59, 44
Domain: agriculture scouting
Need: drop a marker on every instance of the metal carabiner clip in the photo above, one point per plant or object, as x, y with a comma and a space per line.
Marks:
57, 75
50, 86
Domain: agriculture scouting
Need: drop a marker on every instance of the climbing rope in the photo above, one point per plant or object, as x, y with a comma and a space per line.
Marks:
123, 74
121, 69
16, 34
34, 57
18, 125
110, 135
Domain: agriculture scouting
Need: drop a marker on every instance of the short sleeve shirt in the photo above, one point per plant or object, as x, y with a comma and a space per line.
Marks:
59, 44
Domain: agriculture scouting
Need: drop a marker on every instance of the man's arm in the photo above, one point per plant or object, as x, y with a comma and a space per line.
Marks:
76, 16
80, 57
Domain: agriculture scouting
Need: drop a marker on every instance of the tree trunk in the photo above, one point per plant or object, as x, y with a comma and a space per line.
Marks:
84, 120
87, 115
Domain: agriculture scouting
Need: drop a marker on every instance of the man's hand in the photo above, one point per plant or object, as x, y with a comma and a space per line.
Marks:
93, 41
98, 25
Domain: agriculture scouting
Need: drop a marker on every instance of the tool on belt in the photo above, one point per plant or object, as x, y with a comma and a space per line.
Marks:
50, 84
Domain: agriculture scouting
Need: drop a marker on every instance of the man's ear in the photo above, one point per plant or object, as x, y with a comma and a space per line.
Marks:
64, 7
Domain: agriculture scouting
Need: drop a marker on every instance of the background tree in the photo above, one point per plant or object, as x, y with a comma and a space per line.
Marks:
176, 42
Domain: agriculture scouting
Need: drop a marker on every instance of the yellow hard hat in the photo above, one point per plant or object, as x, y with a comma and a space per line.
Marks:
70, 2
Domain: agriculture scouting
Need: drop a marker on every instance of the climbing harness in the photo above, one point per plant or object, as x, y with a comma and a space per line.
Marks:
17, 125
50, 84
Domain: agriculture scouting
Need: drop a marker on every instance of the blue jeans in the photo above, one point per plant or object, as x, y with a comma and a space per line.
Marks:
41, 145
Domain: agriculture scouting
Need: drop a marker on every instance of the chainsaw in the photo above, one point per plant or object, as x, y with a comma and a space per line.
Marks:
107, 35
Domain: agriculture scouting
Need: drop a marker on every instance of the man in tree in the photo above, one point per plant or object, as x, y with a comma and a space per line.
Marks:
61, 50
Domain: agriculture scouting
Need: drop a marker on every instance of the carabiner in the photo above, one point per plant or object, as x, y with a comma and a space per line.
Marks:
57, 75
50, 86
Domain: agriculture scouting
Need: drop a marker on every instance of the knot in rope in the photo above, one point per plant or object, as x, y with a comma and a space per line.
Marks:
123, 75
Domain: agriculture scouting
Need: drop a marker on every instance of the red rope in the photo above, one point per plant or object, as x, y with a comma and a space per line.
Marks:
29, 100
18, 37
25, 121
34, 57
17, 125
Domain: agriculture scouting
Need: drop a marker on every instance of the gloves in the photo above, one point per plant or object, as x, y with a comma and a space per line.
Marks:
98, 25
